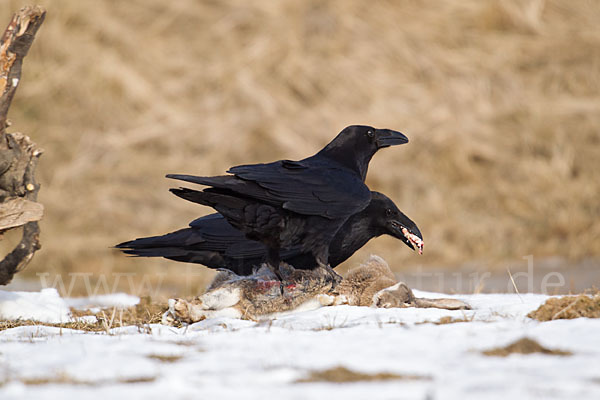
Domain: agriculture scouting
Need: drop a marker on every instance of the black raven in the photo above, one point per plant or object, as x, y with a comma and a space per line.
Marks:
287, 203
213, 242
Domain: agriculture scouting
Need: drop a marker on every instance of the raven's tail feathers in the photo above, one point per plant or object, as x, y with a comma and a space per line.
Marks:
230, 206
170, 245
182, 245
217, 181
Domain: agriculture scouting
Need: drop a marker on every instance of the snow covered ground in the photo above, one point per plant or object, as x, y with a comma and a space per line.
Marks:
225, 358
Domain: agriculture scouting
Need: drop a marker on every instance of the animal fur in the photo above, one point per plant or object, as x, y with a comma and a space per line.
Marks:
263, 296
364, 281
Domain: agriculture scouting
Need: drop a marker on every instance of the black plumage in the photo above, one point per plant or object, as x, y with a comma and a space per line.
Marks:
296, 203
213, 242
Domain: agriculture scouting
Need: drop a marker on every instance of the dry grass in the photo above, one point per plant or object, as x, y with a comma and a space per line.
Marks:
501, 101
140, 315
568, 307
451, 320
63, 379
78, 325
168, 359
344, 375
524, 346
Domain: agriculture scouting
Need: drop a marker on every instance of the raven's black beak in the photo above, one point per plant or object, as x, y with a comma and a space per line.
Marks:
387, 138
410, 236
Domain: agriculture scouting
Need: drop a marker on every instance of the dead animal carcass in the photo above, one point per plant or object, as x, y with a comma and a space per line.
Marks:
263, 296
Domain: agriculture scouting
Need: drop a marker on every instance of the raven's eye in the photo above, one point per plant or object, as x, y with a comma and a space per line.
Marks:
388, 212
370, 134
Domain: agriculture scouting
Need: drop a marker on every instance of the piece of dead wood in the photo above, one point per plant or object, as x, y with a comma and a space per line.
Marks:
18, 154
18, 211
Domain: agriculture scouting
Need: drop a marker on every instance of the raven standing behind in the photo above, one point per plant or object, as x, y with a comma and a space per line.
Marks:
287, 203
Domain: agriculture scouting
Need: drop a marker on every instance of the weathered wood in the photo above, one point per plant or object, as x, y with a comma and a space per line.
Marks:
18, 211
14, 45
16, 178
18, 154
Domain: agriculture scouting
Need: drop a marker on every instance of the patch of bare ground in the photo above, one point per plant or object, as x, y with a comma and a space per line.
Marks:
524, 346
64, 379
165, 358
141, 315
448, 320
140, 379
78, 325
185, 343
452, 320
61, 379
568, 307
344, 375
146, 312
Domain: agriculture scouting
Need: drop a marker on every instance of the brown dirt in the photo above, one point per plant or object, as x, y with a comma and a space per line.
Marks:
448, 320
144, 313
499, 99
165, 358
63, 379
524, 346
451, 320
140, 315
344, 375
568, 307
57, 380
82, 326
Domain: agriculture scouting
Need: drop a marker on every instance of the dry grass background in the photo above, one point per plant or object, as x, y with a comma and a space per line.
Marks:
501, 101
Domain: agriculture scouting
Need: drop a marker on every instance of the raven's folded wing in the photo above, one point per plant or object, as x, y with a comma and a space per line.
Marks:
218, 235
324, 190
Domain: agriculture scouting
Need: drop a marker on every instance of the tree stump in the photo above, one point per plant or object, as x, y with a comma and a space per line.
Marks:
18, 154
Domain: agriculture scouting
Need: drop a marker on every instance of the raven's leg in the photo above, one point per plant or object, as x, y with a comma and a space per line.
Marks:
273, 260
322, 258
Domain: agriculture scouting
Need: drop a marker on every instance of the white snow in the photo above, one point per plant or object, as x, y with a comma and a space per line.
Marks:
119, 300
48, 306
226, 358
44, 306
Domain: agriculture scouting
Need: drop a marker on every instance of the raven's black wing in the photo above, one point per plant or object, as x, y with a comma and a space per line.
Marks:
320, 188
185, 245
211, 241
218, 235
215, 232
